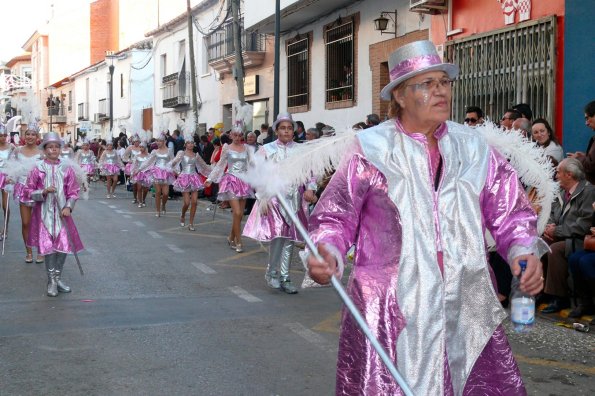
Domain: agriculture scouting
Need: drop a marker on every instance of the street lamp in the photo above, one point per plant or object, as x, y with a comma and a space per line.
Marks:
111, 92
51, 106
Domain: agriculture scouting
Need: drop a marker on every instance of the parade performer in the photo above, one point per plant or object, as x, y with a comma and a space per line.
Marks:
189, 181
66, 152
6, 149
161, 173
141, 180
86, 159
25, 158
128, 157
110, 165
274, 224
414, 196
53, 185
234, 158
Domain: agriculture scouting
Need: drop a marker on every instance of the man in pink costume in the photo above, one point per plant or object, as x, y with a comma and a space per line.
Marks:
52, 184
415, 198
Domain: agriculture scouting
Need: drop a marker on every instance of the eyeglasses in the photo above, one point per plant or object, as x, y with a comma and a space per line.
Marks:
432, 84
470, 120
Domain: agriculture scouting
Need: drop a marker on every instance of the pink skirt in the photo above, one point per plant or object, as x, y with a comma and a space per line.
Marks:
128, 169
161, 176
188, 182
21, 195
88, 168
110, 170
3, 179
231, 187
143, 178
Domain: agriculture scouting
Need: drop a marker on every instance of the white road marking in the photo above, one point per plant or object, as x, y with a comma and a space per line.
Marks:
90, 250
311, 336
243, 294
139, 223
174, 248
154, 234
204, 268
124, 230
102, 202
127, 216
112, 206
120, 211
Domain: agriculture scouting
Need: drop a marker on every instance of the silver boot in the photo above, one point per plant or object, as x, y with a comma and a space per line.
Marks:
286, 255
51, 271
60, 259
275, 252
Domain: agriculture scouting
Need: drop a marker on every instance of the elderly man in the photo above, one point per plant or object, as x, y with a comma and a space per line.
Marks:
312, 134
524, 126
570, 222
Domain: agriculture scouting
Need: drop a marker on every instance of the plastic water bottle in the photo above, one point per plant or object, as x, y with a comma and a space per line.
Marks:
522, 307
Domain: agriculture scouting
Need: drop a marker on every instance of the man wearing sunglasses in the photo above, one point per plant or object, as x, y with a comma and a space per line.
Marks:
473, 116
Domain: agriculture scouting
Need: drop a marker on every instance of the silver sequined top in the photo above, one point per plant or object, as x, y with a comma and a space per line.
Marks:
86, 158
161, 160
4, 154
110, 158
237, 162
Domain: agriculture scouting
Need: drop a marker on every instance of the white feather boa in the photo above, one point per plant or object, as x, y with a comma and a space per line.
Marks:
532, 165
314, 158
81, 177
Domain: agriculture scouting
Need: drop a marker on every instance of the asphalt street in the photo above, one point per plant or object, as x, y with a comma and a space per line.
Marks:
163, 310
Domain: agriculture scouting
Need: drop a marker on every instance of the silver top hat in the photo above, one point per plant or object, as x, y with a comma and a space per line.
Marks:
51, 137
284, 117
413, 59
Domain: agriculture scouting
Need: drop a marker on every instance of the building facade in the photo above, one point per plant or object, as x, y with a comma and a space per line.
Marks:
333, 61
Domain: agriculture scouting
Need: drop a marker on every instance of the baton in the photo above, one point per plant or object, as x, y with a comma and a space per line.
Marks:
76, 256
5, 221
348, 302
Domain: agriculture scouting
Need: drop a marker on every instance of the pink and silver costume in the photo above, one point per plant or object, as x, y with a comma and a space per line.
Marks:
66, 153
49, 231
110, 163
230, 186
4, 156
142, 177
129, 157
276, 225
420, 276
27, 163
86, 160
188, 180
158, 165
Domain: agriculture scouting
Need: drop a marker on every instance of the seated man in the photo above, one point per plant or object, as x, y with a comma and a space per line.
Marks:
570, 222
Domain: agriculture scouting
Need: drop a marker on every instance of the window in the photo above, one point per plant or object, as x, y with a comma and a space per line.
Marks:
339, 42
69, 100
503, 68
298, 73
163, 65
121, 85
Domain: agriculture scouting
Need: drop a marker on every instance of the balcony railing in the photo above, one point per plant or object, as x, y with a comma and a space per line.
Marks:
175, 90
103, 109
56, 114
83, 111
221, 48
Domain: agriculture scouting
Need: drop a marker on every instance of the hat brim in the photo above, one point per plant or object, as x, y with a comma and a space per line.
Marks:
449, 68
279, 121
43, 144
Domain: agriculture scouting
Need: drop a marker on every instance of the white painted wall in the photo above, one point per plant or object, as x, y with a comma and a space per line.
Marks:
257, 10
208, 87
366, 35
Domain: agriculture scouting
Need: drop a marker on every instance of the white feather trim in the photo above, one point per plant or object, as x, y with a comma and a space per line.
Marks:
532, 165
308, 160
81, 177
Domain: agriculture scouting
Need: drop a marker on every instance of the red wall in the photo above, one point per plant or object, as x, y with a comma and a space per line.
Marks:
479, 16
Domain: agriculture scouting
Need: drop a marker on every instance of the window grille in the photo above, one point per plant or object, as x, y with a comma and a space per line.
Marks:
298, 72
500, 69
339, 62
